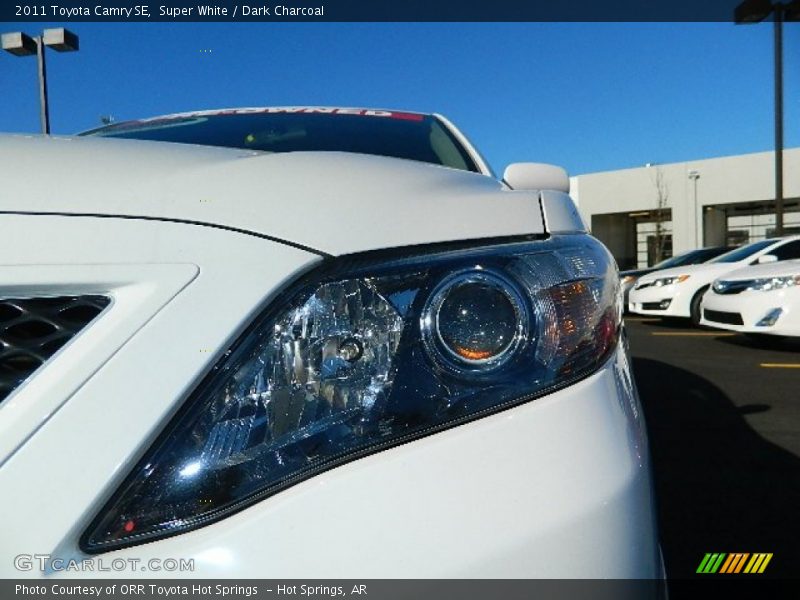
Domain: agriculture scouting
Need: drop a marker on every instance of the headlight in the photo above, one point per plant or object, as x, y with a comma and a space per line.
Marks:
364, 354
628, 279
670, 280
774, 283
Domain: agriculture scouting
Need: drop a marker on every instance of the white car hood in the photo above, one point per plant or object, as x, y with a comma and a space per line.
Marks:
331, 202
704, 270
777, 269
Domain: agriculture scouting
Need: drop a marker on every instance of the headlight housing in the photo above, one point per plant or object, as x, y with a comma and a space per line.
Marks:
363, 354
774, 283
670, 280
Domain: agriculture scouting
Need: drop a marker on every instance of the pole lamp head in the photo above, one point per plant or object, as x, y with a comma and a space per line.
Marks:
791, 11
752, 11
60, 40
18, 44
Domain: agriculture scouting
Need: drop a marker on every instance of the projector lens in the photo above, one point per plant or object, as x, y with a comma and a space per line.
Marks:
474, 320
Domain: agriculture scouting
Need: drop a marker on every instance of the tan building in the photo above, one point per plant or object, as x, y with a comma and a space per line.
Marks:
670, 208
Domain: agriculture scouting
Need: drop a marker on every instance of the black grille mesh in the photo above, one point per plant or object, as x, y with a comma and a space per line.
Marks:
33, 329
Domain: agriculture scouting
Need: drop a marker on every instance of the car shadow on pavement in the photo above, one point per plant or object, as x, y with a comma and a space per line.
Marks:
665, 322
720, 487
776, 344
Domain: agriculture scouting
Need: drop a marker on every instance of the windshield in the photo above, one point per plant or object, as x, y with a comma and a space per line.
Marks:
674, 261
692, 257
411, 136
743, 252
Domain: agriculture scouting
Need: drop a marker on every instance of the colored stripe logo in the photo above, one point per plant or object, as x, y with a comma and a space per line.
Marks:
737, 562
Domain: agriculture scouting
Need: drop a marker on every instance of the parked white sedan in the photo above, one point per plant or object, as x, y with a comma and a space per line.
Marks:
310, 342
679, 292
764, 299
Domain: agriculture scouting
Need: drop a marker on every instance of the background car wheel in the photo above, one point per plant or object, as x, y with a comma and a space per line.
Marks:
696, 307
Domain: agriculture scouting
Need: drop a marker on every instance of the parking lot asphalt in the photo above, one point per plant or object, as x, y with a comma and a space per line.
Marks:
723, 416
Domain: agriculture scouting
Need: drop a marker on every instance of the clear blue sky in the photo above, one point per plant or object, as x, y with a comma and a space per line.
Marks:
588, 96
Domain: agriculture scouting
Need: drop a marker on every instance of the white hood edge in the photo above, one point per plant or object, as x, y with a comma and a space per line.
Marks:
777, 269
335, 203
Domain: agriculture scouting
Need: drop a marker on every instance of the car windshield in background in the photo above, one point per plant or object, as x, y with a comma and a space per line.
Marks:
743, 252
693, 257
411, 136
674, 261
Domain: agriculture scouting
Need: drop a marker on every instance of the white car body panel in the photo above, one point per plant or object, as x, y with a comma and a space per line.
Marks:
560, 213
558, 487
185, 182
754, 305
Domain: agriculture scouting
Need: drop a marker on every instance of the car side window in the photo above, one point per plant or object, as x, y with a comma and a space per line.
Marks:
787, 251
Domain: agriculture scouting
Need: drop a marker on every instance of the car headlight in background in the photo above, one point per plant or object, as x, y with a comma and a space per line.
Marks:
670, 280
363, 354
774, 283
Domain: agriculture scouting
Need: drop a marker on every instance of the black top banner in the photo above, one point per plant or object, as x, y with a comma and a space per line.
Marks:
369, 10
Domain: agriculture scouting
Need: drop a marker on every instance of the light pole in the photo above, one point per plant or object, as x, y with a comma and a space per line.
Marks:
755, 11
21, 44
694, 176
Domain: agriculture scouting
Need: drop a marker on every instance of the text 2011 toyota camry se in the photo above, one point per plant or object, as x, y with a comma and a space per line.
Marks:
310, 342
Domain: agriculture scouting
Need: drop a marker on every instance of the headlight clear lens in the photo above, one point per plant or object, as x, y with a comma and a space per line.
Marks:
774, 283
670, 280
364, 354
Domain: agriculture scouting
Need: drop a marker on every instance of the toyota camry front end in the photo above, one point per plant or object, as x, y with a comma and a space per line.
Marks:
325, 343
